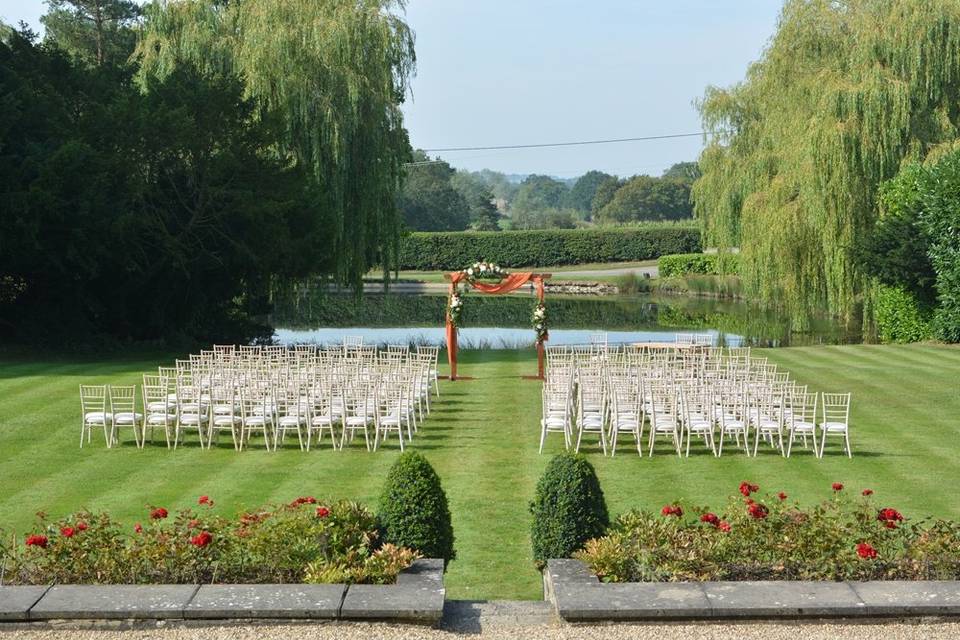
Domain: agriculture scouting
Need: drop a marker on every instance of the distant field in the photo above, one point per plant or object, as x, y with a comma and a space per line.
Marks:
482, 439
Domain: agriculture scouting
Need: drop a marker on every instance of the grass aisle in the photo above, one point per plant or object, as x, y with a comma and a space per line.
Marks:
482, 439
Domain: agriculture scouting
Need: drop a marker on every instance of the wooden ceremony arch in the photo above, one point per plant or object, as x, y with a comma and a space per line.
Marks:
510, 283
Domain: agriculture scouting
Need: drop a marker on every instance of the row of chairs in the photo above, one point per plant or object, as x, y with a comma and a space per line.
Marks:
247, 392
705, 394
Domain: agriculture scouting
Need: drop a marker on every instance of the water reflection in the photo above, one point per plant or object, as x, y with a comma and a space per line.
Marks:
504, 321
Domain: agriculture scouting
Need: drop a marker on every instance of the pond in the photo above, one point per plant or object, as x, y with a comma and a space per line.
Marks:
312, 316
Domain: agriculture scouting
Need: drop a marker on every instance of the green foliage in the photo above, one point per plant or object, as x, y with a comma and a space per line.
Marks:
697, 263
895, 251
549, 218
140, 215
95, 31
429, 201
898, 316
686, 171
537, 201
545, 248
648, 198
774, 538
304, 541
413, 508
333, 74
581, 194
479, 198
568, 508
604, 194
844, 94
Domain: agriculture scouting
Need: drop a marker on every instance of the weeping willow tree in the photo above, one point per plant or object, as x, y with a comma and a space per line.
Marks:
846, 92
333, 73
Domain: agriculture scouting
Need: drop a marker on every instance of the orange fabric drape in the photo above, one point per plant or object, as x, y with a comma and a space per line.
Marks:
510, 283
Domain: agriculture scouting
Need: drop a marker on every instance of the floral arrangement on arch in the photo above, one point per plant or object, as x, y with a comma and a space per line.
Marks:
538, 320
455, 308
485, 271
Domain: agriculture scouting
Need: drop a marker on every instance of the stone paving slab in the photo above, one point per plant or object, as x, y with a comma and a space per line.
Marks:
631, 601
114, 601
782, 599
409, 603
314, 601
15, 602
898, 598
423, 572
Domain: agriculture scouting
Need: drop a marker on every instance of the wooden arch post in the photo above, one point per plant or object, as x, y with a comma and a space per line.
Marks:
509, 284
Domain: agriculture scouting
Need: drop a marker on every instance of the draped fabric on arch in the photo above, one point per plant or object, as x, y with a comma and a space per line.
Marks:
510, 283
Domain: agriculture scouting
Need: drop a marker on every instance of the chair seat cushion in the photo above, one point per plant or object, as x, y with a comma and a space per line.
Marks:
127, 417
97, 417
833, 426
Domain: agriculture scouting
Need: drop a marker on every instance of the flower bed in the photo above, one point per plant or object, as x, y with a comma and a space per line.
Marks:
845, 537
305, 541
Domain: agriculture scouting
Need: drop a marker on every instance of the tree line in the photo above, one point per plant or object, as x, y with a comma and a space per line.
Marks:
161, 178
437, 197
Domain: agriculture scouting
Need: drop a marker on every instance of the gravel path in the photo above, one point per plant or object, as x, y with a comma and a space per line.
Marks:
808, 631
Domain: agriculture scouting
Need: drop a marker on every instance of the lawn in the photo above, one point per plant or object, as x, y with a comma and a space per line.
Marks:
482, 439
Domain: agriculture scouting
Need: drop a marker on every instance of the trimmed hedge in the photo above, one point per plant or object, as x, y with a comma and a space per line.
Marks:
568, 508
413, 508
424, 251
899, 318
683, 264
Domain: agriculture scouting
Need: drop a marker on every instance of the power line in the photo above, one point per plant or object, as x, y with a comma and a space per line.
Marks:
576, 143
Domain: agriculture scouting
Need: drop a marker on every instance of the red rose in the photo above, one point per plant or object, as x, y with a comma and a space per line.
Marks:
782, 496
205, 500
202, 539
867, 492
838, 486
757, 511
159, 513
137, 528
866, 551
37, 540
710, 518
303, 500
81, 526
890, 516
724, 526
747, 488
67, 532
322, 512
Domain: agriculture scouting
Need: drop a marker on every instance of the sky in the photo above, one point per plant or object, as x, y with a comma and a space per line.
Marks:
507, 72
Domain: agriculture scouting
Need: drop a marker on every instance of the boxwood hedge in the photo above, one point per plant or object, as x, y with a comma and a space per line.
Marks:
425, 251
696, 263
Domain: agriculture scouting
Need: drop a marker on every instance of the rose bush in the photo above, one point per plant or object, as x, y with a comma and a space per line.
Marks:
770, 538
303, 541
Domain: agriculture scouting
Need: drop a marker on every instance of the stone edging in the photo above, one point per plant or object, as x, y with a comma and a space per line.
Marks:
417, 597
579, 596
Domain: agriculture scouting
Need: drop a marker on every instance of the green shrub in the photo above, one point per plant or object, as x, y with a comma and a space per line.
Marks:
545, 248
568, 508
683, 264
413, 508
899, 317
848, 536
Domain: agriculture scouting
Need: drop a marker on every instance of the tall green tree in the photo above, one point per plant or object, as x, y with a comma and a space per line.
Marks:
537, 193
335, 73
176, 224
580, 196
844, 94
686, 171
604, 194
479, 197
429, 201
644, 198
96, 31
